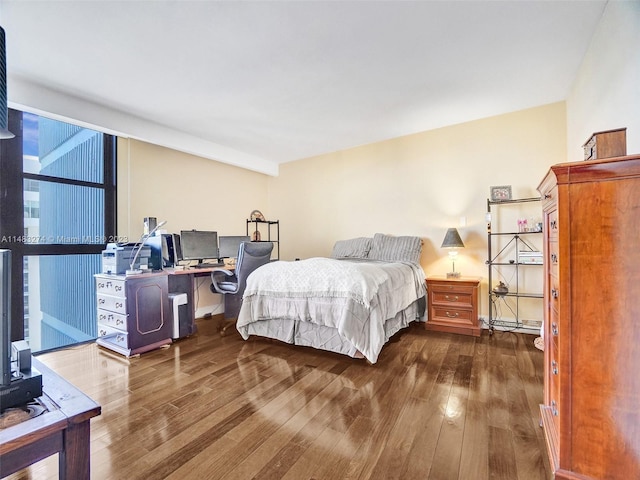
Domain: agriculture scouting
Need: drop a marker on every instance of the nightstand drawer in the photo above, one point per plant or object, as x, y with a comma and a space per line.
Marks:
452, 315
455, 299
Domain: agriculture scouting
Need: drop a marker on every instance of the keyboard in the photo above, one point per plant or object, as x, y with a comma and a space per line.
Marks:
209, 265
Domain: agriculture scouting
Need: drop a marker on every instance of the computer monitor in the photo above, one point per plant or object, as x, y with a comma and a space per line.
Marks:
229, 245
199, 245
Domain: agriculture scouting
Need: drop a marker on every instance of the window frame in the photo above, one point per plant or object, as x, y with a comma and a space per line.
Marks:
12, 177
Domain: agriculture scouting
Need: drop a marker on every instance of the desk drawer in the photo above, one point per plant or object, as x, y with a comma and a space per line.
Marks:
110, 286
112, 319
111, 303
113, 335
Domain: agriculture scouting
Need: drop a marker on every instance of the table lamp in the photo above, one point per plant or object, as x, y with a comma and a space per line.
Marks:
452, 241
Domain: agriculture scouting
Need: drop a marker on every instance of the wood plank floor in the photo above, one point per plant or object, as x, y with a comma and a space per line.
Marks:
436, 406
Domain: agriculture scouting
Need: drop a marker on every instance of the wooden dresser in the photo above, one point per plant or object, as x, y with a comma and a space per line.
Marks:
591, 411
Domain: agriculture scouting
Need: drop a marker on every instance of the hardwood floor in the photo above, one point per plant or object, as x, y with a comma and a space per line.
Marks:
436, 406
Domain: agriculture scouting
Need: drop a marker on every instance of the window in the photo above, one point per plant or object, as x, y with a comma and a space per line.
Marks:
62, 177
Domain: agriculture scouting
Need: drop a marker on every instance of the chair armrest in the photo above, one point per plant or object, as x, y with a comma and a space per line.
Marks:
214, 282
229, 273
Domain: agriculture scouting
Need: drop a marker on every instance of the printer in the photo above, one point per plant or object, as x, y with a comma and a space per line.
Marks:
117, 257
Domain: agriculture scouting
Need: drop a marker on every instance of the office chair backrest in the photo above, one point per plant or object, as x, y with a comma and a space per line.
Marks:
251, 255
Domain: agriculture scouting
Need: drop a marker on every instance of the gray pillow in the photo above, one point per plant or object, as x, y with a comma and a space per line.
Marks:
352, 248
395, 249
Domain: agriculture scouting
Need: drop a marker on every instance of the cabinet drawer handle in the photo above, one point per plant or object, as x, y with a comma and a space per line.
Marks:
554, 293
554, 258
547, 196
554, 329
451, 299
554, 224
452, 315
554, 408
554, 367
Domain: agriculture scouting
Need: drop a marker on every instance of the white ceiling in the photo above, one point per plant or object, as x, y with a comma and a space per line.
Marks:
259, 83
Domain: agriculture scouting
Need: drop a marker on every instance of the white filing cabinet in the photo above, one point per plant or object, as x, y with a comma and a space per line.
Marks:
134, 315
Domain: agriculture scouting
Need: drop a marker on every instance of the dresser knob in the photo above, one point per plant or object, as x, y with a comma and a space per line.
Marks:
554, 329
554, 293
554, 367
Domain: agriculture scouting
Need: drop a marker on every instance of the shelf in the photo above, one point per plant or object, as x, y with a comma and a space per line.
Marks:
509, 264
520, 295
275, 239
514, 234
513, 245
507, 202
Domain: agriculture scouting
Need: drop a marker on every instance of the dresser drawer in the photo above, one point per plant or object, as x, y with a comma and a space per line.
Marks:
111, 303
549, 196
554, 381
112, 319
552, 224
554, 293
554, 257
110, 286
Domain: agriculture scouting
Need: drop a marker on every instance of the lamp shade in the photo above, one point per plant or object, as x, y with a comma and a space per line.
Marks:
452, 239
4, 113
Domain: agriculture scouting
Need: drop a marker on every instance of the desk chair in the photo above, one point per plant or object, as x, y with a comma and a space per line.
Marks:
251, 255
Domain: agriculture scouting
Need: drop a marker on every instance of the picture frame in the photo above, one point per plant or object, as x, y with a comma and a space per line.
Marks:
500, 193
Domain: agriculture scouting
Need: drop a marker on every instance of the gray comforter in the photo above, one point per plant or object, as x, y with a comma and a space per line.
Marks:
355, 297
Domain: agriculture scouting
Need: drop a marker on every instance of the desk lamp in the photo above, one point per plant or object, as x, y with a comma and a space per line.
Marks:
141, 243
452, 241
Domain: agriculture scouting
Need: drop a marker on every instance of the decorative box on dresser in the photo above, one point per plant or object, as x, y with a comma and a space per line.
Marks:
452, 305
591, 410
133, 312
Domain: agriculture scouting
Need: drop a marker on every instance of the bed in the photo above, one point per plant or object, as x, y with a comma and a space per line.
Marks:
350, 303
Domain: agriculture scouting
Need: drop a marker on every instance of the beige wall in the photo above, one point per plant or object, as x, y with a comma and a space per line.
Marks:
420, 185
187, 191
606, 92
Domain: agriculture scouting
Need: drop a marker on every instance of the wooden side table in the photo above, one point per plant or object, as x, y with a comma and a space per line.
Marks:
453, 305
63, 429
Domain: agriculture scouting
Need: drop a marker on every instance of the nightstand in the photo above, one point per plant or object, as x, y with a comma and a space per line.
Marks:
453, 305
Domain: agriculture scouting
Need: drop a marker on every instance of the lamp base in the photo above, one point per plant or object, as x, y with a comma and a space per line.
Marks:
453, 275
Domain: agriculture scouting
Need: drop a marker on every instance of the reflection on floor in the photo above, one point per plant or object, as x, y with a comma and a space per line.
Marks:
435, 406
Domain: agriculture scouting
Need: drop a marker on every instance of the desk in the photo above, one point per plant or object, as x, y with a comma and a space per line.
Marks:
134, 312
63, 429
